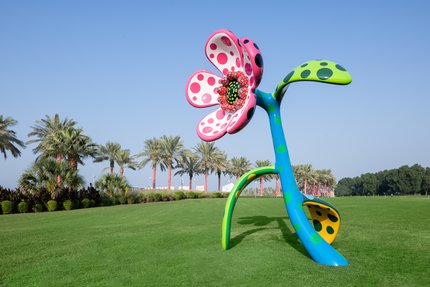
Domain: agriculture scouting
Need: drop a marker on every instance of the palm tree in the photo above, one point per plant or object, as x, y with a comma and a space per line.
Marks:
172, 147
188, 163
109, 152
220, 163
113, 184
239, 166
47, 132
151, 153
43, 175
206, 153
262, 163
305, 176
125, 160
77, 146
320, 178
8, 139
328, 181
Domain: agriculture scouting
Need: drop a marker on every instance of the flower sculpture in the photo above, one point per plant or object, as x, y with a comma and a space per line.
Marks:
241, 65
236, 93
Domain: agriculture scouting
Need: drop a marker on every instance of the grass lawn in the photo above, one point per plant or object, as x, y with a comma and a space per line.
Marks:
386, 240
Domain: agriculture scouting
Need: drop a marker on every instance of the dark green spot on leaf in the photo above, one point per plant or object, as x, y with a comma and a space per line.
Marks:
288, 77
324, 73
340, 68
332, 218
305, 74
317, 225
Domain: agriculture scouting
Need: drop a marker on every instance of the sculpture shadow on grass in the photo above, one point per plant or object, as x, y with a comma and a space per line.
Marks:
261, 221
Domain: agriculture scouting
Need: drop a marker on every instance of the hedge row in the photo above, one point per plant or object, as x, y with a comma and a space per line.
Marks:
8, 207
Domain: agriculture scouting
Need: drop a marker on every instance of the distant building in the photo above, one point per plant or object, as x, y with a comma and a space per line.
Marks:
200, 187
228, 187
165, 188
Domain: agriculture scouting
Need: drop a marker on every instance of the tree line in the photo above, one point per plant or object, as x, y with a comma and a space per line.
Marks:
61, 147
406, 180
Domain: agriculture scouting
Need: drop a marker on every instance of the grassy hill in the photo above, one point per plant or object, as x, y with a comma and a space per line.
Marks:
386, 241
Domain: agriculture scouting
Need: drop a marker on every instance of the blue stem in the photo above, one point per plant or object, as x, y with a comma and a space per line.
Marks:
318, 248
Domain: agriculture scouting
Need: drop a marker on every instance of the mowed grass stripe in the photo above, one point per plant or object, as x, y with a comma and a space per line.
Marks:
179, 244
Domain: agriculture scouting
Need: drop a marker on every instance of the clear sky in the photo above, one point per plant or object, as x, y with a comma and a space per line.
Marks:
119, 68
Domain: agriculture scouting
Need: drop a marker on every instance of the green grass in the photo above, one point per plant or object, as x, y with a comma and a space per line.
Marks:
386, 241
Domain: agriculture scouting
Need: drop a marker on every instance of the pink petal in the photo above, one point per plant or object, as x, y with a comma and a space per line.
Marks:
247, 68
254, 62
214, 125
223, 50
242, 116
200, 89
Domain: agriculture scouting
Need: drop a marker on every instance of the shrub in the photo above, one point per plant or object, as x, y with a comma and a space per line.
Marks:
38, 207
131, 199
52, 205
178, 195
7, 206
202, 195
105, 200
86, 203
114, 200
92, 203
68, 204
142, 198
122, 199
216, 195
150, 197
158, 196
192, 194
76, 204
166, 197
23, 207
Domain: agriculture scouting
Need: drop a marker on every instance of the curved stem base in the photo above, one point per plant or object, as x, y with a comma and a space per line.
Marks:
234, 194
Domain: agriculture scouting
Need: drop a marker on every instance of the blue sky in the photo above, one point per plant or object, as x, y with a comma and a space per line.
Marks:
119, 68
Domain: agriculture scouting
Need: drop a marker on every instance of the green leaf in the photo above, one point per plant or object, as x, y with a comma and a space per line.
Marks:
323, 71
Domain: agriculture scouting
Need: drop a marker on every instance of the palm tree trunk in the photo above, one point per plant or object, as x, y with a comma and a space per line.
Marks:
154, 172
169, 177
319, 189
206, 181
58, 177
121, 171
112, 165
278, 186
261, 186
73, 162
305, 186
219, 181
191, 183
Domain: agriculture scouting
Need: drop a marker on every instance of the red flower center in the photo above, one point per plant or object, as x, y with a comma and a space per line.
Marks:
233, 91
